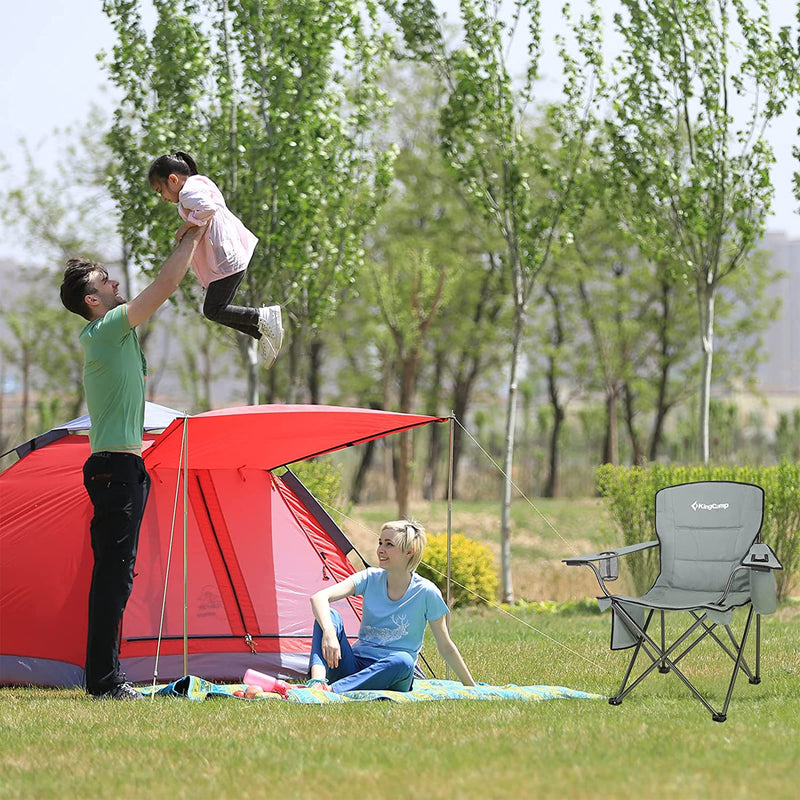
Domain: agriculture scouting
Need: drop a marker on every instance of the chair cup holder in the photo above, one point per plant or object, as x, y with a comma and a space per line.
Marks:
608, 567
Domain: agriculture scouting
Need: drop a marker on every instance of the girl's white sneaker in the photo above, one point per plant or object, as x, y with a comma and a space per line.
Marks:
271, 329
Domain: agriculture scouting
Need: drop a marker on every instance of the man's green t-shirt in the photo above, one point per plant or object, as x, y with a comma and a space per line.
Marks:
113, 375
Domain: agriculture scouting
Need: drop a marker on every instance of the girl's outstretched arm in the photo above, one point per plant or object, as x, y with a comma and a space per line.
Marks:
183, 230
198, 201
448, 650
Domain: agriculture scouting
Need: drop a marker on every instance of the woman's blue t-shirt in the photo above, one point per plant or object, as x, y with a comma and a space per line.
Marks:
391, 625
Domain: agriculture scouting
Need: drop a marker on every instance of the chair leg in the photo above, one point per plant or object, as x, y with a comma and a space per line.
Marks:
622, 691
722, 715
757, 677
634, 628
663, 669
743, 665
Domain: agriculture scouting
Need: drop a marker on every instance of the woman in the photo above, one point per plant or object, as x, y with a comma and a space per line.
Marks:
397, 604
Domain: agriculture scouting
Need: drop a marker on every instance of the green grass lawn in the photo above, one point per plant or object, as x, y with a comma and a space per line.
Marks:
660, 743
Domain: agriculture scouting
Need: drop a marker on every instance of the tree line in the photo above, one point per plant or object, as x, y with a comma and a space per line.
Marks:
441, 237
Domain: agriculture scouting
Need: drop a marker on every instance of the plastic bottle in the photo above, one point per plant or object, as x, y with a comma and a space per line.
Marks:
266, 682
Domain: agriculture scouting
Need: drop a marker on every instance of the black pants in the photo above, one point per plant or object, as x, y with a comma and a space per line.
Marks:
217, 306
118, 485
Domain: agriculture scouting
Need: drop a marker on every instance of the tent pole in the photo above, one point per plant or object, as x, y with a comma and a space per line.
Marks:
168, 569
450, 452
185, 542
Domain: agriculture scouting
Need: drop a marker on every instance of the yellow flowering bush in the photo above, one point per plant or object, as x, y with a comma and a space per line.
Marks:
472, 569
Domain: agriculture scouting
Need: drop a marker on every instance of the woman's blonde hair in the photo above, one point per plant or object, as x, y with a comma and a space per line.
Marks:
410, 537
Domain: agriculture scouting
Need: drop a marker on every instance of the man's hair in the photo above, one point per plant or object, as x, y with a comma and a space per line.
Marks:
410, 537
76, 285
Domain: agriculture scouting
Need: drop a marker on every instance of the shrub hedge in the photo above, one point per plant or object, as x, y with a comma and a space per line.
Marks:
630, 494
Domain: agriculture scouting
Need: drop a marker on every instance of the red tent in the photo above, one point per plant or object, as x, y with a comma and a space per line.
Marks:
257, 545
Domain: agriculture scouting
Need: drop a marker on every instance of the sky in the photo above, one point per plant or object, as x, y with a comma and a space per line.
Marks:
50, 76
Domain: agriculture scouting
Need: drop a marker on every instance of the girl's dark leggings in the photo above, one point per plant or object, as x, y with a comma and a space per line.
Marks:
217, 306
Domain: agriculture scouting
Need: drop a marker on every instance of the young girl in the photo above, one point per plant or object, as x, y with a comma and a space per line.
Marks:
397, 605
223, 253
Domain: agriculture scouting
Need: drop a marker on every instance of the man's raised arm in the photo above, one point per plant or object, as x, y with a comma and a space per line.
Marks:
169, 277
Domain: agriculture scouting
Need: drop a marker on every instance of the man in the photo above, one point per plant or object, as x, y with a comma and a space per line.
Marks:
114, 474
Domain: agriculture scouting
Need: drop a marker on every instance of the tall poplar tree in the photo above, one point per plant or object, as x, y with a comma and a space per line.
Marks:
697, 86
485, 127
278, 102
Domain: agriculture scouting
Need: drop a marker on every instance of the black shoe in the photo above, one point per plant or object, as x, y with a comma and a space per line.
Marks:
122, 691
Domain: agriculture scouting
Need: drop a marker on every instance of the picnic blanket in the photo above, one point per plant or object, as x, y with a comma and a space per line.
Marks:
198, 689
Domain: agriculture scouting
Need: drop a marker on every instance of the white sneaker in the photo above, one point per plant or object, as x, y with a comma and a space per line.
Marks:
271, 330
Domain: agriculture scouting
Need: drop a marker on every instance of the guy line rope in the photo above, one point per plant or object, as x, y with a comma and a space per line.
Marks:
489, 602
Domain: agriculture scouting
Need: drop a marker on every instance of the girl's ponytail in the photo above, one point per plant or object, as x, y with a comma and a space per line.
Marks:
189, 161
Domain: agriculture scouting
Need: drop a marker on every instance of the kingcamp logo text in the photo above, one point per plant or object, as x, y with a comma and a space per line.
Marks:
708, 506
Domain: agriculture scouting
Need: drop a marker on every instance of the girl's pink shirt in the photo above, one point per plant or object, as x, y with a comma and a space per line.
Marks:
227, 246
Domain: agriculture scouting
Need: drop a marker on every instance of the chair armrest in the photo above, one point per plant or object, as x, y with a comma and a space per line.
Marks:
760, 557
620, 551
608, 566
761, 562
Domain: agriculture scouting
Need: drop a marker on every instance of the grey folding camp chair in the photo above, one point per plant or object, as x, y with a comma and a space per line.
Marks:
712, 562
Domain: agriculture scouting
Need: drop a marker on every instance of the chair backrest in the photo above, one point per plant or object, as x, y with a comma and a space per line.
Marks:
705, 529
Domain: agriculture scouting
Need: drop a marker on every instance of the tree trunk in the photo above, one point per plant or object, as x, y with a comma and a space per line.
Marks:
248, 349
405, 454
369, 450
553, 483
508, 463
26, 394
208, 373
706, 299
657, 435
462, 395
662, 407
367, 456
403, 473
367, 453
295, 390
630, 413
314, 370
460, 403
470, 360
552, 487
429, 479
610, 443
